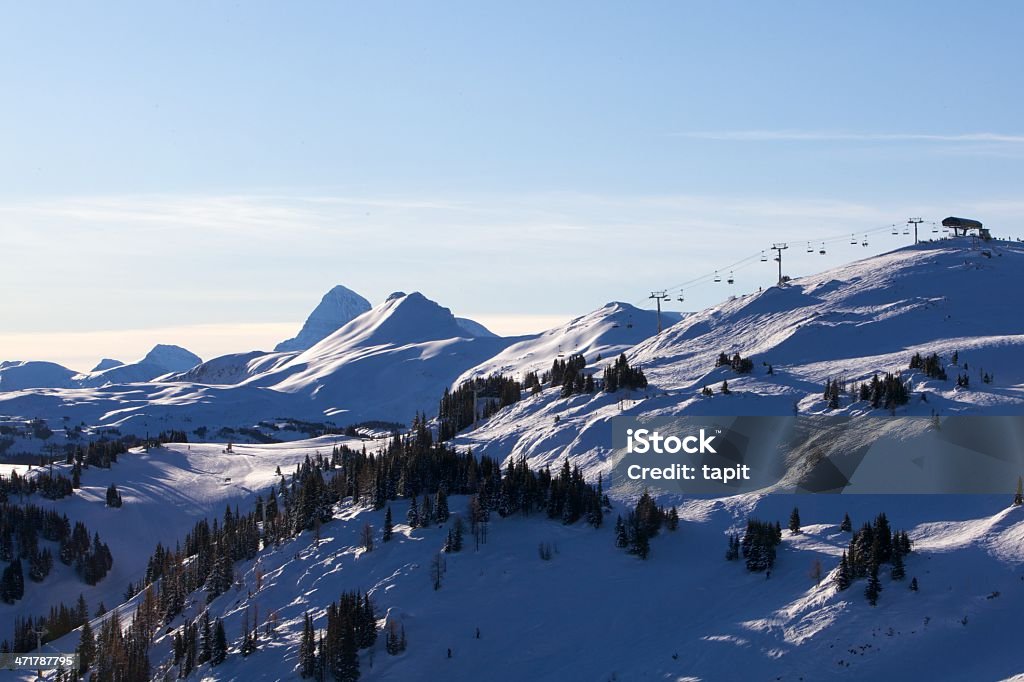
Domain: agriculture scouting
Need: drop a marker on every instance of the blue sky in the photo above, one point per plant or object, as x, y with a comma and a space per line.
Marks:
200, 173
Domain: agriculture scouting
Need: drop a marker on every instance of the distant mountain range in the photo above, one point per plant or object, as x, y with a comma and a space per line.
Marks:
396, 359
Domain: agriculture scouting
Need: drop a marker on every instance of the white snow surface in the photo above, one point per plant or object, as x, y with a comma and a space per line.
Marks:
592, 612
605, 332
853, 321
17, 375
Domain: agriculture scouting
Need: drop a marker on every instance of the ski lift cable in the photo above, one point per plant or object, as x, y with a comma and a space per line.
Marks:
756, 258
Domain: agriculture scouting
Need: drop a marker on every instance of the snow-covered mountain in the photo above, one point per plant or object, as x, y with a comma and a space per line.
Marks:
162, 359
18, 375
338, 307
106, 363
603, 333
851, 322
387, 364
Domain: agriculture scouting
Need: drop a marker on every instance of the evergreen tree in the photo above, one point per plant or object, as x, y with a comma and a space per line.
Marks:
874, 586
441, 512
640, 544
206, 645
759, 543
86, 648
113, 497
913, 584
733, 553
12, 582
621, 539
307, 647
219, 650
413, 515
388, 525
672, 522
347, 669
1018, 499
456, 535
794, 521
846, 526
898, 571
426, 512
843, 577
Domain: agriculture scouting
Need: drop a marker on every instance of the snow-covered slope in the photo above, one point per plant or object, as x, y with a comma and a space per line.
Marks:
338, 307
165, 491
605, 332
473, 328
17, 375
866, 317
684, 614
385, 364
232, 368
162, 359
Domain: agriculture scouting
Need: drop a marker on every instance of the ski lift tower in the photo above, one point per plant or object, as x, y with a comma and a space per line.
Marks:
657, 296
915, 222
778, 249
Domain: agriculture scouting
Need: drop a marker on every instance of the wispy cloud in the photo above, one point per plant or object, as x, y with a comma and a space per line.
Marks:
840, 136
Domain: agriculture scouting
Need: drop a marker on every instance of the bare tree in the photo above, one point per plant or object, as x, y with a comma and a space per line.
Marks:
367, 537
816, 571
437, 568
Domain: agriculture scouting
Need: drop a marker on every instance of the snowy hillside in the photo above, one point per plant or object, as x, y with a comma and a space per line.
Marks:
866, 317
233, 368
849, 323
385, 364
19, 375
473, 328
685, 613
338, 307
165, 491
605, 332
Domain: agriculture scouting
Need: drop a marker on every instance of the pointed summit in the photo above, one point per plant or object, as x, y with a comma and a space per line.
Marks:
338, 307
106, 363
